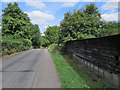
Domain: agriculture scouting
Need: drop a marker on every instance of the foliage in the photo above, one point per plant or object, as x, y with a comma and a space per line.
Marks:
85, 23
45, 42
10, 45
75, 25
52, 34
110, 28
35, 36
0, 36
16, 24
53, 47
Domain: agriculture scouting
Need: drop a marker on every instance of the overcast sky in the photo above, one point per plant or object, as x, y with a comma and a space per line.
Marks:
51, 12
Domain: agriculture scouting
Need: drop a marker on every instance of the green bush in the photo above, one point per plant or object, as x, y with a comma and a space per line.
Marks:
57, 48
54, 47
10, 45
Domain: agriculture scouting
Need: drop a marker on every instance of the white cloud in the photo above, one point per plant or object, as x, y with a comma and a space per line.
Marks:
39, 5
38, 17
110, 5
22, 0
110, 17
69, 4
71, 0
72, 3
57, 0
12, 0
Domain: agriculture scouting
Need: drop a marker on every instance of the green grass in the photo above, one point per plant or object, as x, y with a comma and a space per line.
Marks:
73, 76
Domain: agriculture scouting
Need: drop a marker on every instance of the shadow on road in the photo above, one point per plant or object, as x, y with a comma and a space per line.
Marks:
19, 71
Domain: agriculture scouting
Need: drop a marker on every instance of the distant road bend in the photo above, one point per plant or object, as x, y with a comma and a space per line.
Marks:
29, 69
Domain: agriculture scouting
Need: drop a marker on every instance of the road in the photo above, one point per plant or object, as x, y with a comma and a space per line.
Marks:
30, 69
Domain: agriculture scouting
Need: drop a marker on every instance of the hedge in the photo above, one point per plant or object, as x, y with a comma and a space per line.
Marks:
10, 45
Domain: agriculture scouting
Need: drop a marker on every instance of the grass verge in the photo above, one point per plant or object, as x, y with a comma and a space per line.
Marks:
73, 76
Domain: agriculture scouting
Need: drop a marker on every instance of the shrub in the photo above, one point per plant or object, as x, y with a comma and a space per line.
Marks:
57, 48
10, 45
54, 47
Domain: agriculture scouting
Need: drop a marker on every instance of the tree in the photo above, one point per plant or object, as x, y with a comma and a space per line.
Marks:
15, 22
18, 32
45, 42
0, 21
52, 34
35, 36
0, 33
81, 24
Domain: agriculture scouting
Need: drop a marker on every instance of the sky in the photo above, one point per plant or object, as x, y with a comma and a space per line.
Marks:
51, 12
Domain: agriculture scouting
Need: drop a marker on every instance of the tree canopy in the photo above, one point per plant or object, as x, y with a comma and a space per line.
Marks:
85, 23
51, 35
18, 33
17, 24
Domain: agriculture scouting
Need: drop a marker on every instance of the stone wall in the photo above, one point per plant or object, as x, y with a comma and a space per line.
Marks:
101, 53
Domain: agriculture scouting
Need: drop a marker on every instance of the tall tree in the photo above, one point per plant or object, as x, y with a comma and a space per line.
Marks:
35, 35
15, 22
82, 23
17, 25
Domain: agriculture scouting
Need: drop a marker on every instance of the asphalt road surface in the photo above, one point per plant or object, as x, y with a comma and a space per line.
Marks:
30, 69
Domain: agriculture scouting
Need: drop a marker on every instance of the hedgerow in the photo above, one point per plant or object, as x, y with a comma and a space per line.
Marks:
10, 45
